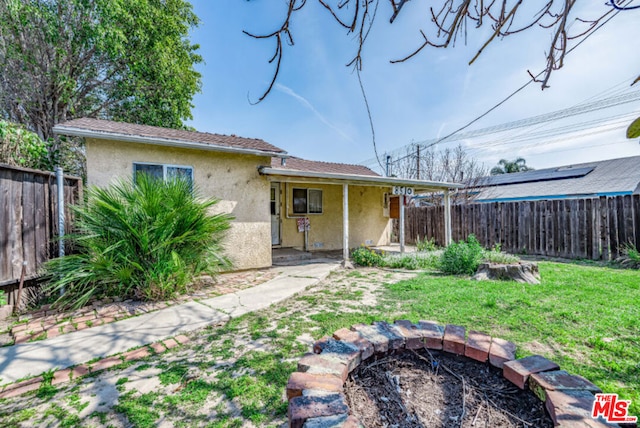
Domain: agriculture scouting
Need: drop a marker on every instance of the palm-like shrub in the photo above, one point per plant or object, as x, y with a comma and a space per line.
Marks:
146, 240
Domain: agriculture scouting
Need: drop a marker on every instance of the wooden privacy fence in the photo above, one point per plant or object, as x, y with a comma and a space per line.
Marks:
595, 228
29, 219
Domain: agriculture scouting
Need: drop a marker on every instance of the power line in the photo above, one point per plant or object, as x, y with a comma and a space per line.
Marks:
620, 122
533, 79
579, 109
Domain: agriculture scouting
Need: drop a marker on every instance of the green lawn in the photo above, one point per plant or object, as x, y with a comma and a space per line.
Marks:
585, 318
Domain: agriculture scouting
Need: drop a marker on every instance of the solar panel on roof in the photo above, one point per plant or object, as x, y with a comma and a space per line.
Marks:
536, 175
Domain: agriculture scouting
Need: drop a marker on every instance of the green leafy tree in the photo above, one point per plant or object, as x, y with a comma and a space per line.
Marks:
20, 147
126, 60
507, 167
147, 240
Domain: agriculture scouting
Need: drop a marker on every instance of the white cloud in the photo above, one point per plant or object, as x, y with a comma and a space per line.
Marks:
302, 100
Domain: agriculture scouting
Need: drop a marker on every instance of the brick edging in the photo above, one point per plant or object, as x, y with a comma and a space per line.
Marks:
72, 373
316, 390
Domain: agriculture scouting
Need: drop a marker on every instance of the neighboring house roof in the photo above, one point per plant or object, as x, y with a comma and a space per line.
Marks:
106, 129
604, 178
298, 164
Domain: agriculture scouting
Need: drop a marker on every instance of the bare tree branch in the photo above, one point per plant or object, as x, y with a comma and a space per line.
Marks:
450, 19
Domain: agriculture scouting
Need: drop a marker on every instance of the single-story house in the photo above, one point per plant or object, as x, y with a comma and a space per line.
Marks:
613, 177
277, 200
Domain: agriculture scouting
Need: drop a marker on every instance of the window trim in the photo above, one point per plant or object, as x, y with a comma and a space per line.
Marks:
164, 166
306, 189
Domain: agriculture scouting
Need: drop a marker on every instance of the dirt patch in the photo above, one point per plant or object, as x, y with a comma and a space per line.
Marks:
422, 389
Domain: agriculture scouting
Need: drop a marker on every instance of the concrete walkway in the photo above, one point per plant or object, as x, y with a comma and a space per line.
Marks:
31, 359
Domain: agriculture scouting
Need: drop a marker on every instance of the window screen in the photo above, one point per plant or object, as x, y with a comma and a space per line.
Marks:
180, 172
154, 171
315, 201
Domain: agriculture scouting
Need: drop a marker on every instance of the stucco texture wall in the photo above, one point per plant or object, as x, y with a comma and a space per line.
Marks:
367, 224
231, 178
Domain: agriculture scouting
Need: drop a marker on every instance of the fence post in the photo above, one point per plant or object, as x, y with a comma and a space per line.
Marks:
60, 183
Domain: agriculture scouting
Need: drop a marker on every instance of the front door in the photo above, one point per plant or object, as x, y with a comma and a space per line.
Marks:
275, 213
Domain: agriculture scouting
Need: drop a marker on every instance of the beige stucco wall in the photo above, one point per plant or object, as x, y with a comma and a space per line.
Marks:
367, 224
232, 178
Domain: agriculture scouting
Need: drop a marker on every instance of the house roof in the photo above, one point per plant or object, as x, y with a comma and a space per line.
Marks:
107, 129
301, 170
298, 164
604, 178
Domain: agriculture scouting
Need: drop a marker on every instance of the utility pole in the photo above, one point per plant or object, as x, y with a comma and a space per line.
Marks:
418, 160
388, 165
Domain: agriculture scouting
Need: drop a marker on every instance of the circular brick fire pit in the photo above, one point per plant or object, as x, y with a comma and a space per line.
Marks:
316, 391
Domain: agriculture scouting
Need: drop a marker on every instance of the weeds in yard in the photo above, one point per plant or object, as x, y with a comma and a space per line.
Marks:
630, 257
426, 245
495, 255
363, 256
462, 258
139, 410
46, 390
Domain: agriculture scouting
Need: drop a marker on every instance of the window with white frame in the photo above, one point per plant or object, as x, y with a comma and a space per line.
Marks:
307, 201
163, 171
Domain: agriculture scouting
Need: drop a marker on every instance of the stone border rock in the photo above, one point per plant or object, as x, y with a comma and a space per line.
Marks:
317, 399
72, 373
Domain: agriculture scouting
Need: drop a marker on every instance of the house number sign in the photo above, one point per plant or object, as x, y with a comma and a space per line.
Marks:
401, 190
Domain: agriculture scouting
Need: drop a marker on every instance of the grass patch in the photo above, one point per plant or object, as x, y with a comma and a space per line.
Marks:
65, 420
195, 392
14, 418
139, 410
585, 318
173, 374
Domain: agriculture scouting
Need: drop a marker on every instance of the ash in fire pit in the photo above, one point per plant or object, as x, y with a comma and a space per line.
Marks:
435, 389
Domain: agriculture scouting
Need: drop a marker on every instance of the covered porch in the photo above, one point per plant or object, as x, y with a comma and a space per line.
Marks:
329, 211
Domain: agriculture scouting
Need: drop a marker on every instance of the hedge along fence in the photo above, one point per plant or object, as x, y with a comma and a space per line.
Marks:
29, 221
595, 228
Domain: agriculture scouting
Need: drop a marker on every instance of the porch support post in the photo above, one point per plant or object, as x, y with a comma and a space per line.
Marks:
447, 218
401, 200
345, 222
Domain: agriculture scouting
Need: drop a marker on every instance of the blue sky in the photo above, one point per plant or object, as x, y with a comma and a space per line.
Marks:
316, 110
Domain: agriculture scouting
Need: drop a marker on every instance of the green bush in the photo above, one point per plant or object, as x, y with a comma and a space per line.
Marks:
146, 240
3, 298
426, 245
462, 257
363, 256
